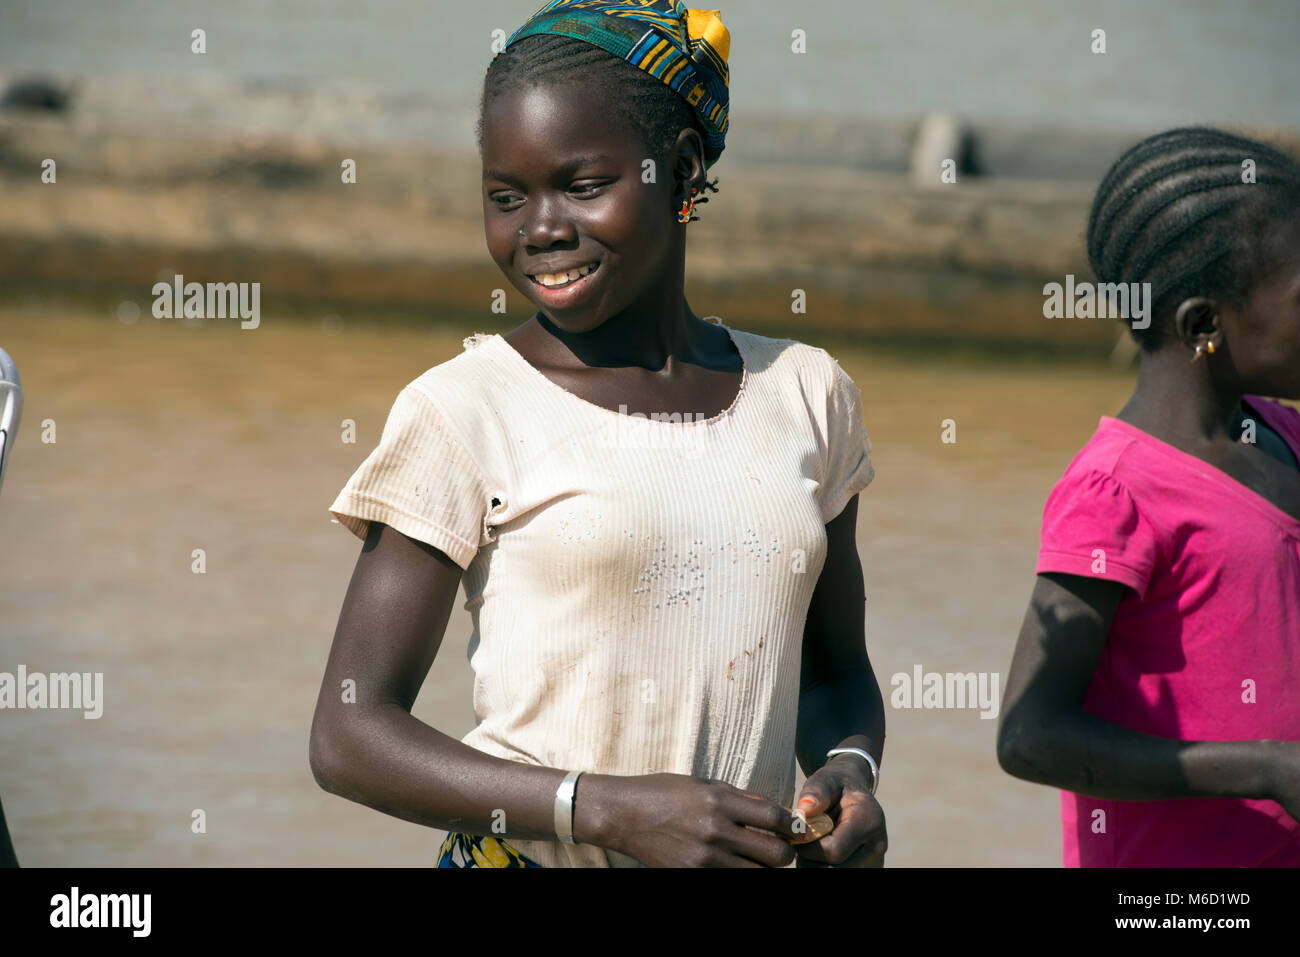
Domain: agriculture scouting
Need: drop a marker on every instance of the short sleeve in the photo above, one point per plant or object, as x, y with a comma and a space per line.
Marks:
1092, 528
848, 449
419, 480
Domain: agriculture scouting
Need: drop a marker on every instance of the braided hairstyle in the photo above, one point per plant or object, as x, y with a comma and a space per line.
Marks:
653, 109
1174, 211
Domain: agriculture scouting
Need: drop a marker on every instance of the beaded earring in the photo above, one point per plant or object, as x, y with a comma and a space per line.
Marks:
688, 209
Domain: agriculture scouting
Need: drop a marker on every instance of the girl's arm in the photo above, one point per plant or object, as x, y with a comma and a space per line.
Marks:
1045, 736
375, 752
7, 856
840, 706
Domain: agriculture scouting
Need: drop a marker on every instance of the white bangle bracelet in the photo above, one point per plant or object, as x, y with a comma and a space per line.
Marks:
875, 768
564, 806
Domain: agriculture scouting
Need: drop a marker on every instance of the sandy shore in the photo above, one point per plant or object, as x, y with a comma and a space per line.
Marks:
171, 438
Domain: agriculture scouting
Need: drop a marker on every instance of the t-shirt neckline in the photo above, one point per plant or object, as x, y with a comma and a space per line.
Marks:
726, 413
1217, 474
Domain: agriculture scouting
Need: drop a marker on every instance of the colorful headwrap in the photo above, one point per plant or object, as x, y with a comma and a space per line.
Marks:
686, 49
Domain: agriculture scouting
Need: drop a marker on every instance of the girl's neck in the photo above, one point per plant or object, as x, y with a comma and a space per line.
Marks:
1176, 401
632, 338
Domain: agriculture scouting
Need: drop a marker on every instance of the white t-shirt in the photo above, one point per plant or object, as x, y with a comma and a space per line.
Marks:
638, 588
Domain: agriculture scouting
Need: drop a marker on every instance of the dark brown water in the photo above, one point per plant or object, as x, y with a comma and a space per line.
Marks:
171, 438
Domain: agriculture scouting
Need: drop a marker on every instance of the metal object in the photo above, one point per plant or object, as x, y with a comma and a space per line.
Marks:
564, 796
11, 412
11, 409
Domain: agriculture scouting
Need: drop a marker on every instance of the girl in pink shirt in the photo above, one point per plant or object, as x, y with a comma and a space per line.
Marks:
1157, 675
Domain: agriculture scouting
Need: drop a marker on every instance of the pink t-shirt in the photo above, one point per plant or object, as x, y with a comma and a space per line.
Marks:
1208, 649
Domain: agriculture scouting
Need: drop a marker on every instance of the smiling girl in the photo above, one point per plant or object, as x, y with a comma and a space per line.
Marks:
653, 515
1157, 676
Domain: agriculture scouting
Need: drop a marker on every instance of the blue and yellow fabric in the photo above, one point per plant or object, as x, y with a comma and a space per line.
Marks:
475, 850
686, 49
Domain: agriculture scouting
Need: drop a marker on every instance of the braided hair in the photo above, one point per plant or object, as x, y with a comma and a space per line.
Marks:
1176, 211
654, 110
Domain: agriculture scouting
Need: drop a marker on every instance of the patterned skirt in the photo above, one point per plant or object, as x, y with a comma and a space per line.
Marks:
473, 850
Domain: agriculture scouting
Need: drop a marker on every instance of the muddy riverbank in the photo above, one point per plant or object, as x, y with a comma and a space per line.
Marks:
173, 437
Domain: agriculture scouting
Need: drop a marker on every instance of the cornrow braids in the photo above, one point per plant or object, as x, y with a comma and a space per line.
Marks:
647, 103
1175, 211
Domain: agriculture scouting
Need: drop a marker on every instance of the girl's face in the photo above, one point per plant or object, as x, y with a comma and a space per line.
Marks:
1264, 334
557, 165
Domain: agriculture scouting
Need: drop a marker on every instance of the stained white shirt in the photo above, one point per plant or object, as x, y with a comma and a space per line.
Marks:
638, 587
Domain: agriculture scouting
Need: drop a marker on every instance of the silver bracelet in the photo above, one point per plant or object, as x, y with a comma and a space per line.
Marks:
875, 768
564, 806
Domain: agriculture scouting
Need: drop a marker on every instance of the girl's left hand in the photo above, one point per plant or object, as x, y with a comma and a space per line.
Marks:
842, 789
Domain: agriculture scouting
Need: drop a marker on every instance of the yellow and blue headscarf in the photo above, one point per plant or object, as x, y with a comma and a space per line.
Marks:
686, 49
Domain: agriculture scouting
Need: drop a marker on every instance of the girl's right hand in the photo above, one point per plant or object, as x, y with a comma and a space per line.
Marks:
675, 820
1284, 776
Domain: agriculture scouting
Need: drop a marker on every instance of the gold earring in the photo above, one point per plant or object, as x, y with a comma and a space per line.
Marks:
1210, 345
